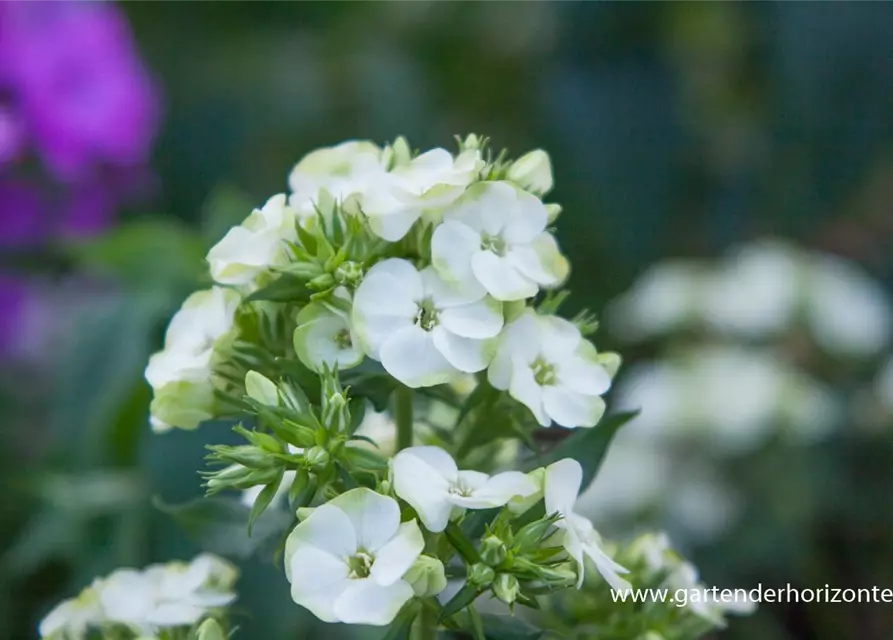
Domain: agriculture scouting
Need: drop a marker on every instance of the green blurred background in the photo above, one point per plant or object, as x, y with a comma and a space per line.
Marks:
675, 129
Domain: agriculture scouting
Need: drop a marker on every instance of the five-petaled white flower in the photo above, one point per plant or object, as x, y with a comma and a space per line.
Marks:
495, 237
545, 363
346, 169
164, 596
323, 338
180, 374
425, 184
421, 329
259, 243
561, 486
429, 480
347, 560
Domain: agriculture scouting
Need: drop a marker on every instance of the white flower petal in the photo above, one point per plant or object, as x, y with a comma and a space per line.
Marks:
528, 221
385, 302
465, 354
452, 246
607, 567
422, 484
500, 277
582, 376
525, 389
571, 409
396, 557
393, 225
439, 460
375, 518
561, 486
481, 319
328, 529
317, 579
367, 602
410, 356
446, 295
497, 491
519, 340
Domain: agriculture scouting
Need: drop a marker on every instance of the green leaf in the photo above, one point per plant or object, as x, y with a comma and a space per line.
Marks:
285, 288
509, 628
464, 597
589, 446
401, 627
264, 498
461, 543
220, 525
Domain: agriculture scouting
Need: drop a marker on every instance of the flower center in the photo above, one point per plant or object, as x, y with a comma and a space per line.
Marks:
426, 316
459, 488
543, 372
342, 339
494, 244
360, 564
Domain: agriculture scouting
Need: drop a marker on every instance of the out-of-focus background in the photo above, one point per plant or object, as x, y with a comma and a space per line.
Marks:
726, 172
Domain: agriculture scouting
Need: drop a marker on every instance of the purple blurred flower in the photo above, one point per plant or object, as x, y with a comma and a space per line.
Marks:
72, 73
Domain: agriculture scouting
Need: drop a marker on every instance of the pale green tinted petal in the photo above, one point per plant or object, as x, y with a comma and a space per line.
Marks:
410, 356
465, 354
581, 376
528, 221
397, 555
424, 487
525, 389
366, 602
317, 580
452, 246
520, 339
374, 517
571, 409
262, 389
394, 224
500, 277
533, 172
552, 260
481, 319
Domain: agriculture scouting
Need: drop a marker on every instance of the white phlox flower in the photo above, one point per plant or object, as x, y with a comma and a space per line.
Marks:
560, 489
259, 243
545, 364
429, 480
425, 184
181, 373
343, 170
324, 338
347, 560
165, 596
72, 618
495, 237
532, 172
423, 330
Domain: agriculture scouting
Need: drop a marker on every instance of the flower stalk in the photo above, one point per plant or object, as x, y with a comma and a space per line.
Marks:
403, 416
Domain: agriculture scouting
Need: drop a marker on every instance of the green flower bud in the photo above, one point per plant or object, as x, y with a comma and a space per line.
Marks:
493, 551
506, 587
335, 414
258, 477
246, 455
227, 477
349, 273
427, 576
480, 575
304, 512
210, 630
303, 270
261, 389
317, 458
322, 282
532, 535
553, 210
610, 361
532, 172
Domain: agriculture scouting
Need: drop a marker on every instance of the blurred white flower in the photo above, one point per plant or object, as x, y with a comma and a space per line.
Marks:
884, 386
166, 596
259, 243
71, 619
347, 560
181, 373
323, 338
546, 364
343, 170
560, 488
495, 238
425, 184
755, 291
422, 330
429, 480
849, 313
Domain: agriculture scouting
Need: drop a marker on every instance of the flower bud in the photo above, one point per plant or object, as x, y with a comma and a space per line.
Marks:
261, 389
531, 535
246, 455
532, 172
304, 512
493, 551
610, 361
210, 630
427, 576
553, 210
480, 575
506, 587
335, 413
227, 477
317, 458
322, 282
349, 273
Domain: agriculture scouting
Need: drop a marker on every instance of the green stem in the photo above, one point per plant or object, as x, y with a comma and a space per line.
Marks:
426, 624
403, 416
